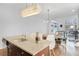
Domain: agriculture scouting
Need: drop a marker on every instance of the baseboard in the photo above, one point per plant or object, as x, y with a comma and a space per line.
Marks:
3, 52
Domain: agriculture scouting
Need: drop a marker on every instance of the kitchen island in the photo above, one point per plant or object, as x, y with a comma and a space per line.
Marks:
20, 46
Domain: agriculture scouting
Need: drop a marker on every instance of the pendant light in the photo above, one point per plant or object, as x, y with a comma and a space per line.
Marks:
48, 18
32, 9
48, 21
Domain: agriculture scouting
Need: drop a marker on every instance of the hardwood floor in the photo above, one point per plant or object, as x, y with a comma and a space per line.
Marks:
3, 52
65, 50
58, 51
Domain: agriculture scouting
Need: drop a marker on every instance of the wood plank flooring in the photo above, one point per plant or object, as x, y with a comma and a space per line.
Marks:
3, 52
65, 50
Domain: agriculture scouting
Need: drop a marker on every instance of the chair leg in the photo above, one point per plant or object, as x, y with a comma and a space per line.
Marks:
52, 53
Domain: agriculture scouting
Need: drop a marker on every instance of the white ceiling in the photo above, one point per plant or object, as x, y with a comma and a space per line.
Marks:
60, 9
57, 10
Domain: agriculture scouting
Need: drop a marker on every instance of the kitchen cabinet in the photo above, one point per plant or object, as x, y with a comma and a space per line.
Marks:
13, 50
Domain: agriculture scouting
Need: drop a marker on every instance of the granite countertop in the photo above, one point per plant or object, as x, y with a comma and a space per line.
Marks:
28, 45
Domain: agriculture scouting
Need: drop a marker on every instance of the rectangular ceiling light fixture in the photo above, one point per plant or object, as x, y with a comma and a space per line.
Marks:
33, 9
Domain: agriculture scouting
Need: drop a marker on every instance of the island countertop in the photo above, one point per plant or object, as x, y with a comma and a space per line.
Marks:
28, 45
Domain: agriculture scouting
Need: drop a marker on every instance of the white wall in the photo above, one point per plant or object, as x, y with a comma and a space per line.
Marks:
11, 23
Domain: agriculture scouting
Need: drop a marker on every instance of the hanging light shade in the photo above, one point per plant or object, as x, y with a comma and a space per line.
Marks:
33, 9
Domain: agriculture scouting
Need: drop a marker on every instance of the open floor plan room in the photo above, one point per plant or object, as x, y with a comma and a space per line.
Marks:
39, 29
